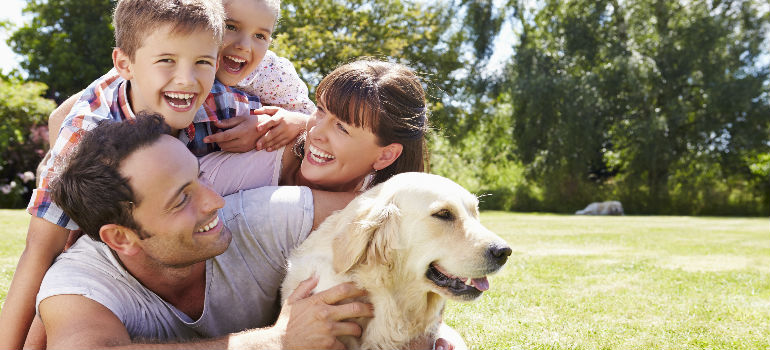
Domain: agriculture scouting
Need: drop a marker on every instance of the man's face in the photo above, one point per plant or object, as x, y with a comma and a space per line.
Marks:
175, 209
172, 74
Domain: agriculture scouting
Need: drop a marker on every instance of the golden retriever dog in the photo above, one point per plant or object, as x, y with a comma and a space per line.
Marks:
411, 242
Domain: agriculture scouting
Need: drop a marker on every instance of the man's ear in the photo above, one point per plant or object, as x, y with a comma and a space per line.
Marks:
120, 238
122, 63
388, 155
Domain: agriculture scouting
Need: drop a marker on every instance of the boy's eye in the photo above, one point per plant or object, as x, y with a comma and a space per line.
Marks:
260, 36
230, 27
165, 60
207, 62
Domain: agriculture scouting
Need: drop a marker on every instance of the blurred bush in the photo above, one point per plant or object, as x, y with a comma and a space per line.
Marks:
23, 138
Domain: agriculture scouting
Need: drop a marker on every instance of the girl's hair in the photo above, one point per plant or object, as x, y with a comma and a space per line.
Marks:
385, 98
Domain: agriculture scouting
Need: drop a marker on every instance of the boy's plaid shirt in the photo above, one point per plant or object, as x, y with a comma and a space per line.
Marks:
106, 99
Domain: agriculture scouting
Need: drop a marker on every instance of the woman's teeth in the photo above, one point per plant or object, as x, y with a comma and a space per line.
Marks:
210, 225
319, 155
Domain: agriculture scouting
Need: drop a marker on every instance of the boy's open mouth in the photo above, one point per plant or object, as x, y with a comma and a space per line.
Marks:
233, 64
179, 100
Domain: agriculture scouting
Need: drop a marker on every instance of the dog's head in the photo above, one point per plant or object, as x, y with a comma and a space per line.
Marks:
426, 230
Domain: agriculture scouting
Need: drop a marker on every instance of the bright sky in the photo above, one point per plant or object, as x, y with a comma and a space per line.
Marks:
11, 12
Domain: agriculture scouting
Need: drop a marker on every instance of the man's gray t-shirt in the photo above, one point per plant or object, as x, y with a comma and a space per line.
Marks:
242, 284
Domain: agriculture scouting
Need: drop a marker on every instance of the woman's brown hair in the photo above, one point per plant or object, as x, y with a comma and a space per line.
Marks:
385, 98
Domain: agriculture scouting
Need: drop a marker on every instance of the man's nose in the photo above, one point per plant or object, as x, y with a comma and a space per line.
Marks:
211, 200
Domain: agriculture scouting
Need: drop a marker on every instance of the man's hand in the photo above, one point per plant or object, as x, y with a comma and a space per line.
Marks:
241, 134
313, 321
278, 127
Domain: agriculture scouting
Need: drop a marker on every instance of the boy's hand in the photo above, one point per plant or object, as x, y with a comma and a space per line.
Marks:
279, 127
240, 136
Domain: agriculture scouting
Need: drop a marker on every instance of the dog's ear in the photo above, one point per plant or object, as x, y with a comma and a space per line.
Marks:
368, 237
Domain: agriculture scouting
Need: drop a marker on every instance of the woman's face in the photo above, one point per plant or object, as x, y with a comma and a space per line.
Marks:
338, 155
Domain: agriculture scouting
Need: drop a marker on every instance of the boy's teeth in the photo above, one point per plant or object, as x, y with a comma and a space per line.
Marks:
180, 95
210, 225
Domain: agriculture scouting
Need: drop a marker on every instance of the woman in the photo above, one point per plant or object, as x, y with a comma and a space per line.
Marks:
370, 125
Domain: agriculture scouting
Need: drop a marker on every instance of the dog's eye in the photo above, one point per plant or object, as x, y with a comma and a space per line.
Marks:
444, 214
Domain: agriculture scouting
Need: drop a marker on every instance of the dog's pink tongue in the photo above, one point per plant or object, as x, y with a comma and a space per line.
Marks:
480, 283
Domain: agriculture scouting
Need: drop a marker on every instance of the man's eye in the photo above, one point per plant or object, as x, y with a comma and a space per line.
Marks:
185, 198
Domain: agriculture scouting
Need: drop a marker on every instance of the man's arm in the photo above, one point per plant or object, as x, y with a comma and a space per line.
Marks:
305, 322
44, 242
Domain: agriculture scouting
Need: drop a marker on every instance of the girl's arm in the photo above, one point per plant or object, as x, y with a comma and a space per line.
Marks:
45, 241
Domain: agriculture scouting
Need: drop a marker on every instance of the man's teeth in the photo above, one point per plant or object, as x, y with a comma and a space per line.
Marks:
236, 59
210, 225
319, 153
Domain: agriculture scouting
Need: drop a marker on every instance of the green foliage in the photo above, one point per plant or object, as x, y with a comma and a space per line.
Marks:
318, 36
627, 99
663, 105
67, 45
23, 138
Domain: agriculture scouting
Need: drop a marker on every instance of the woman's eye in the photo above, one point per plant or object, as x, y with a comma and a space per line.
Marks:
342, 128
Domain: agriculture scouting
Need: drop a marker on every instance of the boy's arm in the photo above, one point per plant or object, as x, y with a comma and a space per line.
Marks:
44, 242
57, 117
275, 128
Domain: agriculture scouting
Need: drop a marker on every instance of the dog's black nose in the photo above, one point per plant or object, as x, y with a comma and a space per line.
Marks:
499, 253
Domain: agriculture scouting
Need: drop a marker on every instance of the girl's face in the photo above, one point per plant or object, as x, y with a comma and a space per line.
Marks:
338, 155
248, 31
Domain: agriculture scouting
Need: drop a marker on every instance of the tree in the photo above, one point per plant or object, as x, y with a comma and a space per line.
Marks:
630, 93
67, 45
318, 36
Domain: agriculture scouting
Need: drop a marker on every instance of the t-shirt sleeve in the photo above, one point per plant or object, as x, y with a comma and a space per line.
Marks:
277, 83
270, 221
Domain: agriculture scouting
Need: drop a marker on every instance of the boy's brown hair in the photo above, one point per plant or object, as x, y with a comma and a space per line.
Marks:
133, 20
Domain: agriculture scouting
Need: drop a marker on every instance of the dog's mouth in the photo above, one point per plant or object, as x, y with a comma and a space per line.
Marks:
464, 287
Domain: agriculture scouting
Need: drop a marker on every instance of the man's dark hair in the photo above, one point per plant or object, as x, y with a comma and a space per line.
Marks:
91, 189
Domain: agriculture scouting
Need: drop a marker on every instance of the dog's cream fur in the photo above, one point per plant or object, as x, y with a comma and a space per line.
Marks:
385, 240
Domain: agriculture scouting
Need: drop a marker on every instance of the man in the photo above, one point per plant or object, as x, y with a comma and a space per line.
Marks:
159, 263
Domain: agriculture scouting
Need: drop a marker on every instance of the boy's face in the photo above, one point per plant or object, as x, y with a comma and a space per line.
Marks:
171, 73
248, 31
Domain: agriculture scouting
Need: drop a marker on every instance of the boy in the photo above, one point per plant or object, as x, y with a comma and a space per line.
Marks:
165, 61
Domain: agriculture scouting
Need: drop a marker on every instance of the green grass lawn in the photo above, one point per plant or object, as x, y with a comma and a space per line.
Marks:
577, 282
